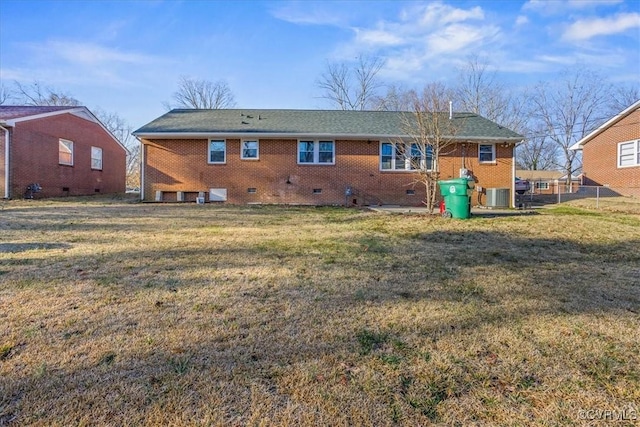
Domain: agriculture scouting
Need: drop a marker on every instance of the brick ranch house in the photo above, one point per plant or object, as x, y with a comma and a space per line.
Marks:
316, 157
66, 150
611, 153
549, 181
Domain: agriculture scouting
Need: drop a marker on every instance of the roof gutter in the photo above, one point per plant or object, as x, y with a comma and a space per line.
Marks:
6, 161
280, 135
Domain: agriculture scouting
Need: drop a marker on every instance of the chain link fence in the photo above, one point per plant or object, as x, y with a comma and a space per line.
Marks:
561, 193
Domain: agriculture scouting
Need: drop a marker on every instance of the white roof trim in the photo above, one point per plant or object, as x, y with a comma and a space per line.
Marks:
578, 145
82, 112
268, 135
71, 110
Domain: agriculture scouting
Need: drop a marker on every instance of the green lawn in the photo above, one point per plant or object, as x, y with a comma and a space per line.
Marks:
120, 313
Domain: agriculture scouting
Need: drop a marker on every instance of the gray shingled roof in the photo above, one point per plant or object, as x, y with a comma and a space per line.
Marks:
8, 112
308, 122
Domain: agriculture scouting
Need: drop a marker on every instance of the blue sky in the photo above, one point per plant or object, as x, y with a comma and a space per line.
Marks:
127, 56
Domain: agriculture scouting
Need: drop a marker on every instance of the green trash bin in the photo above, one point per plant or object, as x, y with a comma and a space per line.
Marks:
457, 197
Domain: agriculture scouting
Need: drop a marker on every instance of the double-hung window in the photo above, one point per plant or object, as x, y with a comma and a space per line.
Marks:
629, 154
542, 185
217, 151
250, 150
487, 153
96, 158
65, 152
316, 152
405, 156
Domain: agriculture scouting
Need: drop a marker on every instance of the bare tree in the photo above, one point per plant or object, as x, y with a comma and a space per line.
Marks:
122, 131
5, 95
432, 135
193, 93
479, 91
37, 94
351, 87
623, 97
396, 99
538, 152
569, 108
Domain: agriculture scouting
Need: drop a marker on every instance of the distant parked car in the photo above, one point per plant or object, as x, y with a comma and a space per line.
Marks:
522, 186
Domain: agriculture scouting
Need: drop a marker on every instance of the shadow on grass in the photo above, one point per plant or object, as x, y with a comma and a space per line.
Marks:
226, 338
23, 247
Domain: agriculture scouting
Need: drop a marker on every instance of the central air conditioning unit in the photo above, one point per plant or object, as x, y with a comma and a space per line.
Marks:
498, 197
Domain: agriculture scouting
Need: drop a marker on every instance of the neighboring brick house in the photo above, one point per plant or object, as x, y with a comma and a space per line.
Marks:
611, 153
66, 150
549, 181
317, 157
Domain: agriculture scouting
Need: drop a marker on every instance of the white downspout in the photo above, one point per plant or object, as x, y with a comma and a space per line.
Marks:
142, 160
513, 176
6, 162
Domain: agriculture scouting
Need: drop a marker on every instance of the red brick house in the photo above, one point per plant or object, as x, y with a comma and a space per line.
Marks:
317, 157
66, 150
549, 181
611, 153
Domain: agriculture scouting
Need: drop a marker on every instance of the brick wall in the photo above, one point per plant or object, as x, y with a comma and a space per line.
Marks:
600, 157
34, 158
181, 165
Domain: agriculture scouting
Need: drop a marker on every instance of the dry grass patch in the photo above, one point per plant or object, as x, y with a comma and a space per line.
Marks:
630, 205
141, 314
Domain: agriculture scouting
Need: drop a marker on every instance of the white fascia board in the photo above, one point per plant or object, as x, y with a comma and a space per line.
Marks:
263, 135
70, 110
82, 112
580, 144
267, 135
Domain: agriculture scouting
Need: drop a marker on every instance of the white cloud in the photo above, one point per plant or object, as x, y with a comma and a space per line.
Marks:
88, 53
421, 37
584, 4
585, 29
377, 37
440, 13
83, 63
522, 20
551, 7
457, 38
308, 13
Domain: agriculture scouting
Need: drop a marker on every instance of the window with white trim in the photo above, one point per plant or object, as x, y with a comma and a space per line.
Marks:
487, 153
217, 151
629, 154
65, 152
96, 158
250, 150
316, 152
405, 156
542, 185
